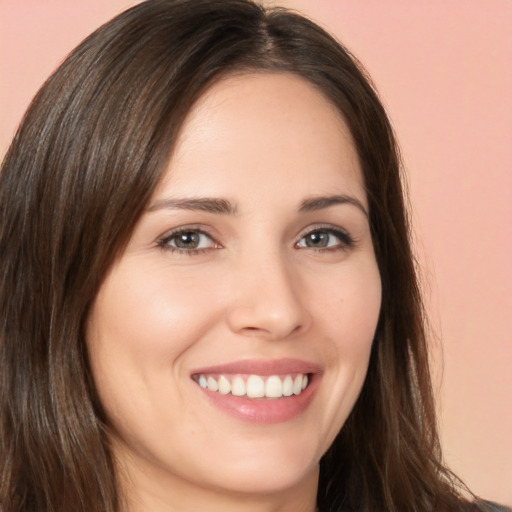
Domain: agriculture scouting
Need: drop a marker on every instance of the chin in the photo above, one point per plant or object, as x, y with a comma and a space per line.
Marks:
270, 467
271, 477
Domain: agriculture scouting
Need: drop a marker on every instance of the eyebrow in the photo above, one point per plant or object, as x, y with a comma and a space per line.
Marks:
319, 203
223, 206
204, 204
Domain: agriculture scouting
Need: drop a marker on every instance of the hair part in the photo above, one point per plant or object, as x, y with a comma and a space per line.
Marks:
87, 157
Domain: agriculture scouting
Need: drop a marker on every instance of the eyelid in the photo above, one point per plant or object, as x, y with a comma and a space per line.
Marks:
163, 241
346, 239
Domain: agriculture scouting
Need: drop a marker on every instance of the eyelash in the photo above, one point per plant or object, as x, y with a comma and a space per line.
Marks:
164, 243
345, 240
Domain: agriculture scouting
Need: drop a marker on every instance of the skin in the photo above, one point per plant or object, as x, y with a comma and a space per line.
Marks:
256, 287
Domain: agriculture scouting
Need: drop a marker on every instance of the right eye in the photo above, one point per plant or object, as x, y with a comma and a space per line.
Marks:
188, 241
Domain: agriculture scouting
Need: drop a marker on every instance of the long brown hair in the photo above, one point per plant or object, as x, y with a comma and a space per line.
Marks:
86, 158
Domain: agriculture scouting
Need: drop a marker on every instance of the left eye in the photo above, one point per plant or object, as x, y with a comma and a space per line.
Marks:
324, 239
191, 240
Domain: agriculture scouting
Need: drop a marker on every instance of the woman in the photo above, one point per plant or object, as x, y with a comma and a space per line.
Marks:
208, 296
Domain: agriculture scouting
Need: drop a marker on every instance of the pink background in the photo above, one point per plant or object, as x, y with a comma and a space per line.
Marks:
444, 73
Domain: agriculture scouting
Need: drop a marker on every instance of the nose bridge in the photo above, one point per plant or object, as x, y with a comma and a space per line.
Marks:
267, 299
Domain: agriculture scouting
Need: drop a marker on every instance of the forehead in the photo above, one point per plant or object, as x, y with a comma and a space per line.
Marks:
271, 128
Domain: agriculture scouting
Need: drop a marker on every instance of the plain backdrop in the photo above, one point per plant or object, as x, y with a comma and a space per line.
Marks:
443, 69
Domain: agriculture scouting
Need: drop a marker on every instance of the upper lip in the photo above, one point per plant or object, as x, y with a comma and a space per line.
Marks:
261, 367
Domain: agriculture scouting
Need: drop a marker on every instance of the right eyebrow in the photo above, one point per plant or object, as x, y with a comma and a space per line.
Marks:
204, 204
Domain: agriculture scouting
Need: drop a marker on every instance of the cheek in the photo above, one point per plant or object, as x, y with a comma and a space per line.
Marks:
357, 321
349, 312
150, 314
348, 305
140, 327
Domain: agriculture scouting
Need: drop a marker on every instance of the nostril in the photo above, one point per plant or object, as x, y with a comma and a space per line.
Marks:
275, 319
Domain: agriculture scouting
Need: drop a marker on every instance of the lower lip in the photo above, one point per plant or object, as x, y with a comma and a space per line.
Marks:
264, 410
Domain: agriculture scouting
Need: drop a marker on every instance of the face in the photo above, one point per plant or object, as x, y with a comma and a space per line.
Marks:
230, 340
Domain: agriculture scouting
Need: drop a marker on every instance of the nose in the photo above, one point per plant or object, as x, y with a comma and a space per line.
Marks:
267, 301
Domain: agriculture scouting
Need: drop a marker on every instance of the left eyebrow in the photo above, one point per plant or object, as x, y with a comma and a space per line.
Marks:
319, 203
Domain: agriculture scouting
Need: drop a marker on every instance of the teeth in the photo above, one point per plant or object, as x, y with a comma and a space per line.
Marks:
274, 387
224, 385
212, 384
288, 386
238, 386
297, 385
255, 386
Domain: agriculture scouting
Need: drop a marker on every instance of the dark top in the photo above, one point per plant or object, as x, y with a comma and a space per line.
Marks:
489, 506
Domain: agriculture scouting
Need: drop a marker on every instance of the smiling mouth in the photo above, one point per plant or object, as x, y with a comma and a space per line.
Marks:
262, 391
254, 386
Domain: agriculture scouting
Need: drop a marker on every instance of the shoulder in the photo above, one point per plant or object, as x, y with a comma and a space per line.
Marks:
489, 506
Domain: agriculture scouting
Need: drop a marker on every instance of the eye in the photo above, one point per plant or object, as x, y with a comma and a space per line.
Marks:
326, 239
188, 240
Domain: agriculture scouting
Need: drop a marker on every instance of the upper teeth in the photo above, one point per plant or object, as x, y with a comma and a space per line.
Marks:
254, 386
